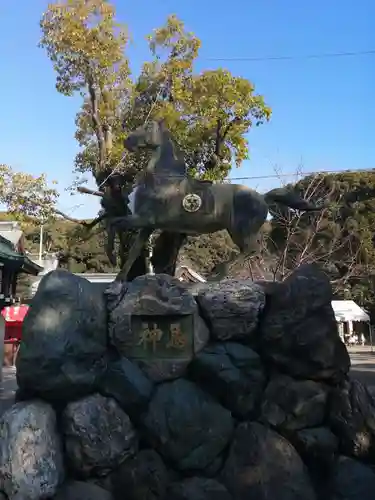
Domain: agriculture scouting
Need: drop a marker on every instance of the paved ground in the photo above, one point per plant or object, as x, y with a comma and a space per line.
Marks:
363, 369
363, 364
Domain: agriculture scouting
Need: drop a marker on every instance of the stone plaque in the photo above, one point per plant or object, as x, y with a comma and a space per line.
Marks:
161, 337
155, 322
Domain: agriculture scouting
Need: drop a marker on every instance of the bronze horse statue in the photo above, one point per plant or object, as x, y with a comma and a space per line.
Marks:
165, 197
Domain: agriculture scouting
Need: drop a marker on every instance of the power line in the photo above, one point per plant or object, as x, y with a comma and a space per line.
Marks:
297, 174
328, 55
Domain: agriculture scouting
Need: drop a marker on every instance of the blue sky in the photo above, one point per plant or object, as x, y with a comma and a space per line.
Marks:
323, 109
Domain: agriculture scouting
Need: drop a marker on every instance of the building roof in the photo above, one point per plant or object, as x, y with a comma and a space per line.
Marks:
11, 230
7, 253
30, 267
13, 236
48, 262
348, 310
9, 256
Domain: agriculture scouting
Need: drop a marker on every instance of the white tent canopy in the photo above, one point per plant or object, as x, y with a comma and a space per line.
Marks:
348, 310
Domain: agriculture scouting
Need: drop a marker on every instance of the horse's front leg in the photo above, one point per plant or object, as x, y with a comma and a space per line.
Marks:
110, 244
134, 252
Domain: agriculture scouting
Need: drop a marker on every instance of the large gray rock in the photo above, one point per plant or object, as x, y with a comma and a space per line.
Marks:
77, 490
125, 382
298, 329
198, 488
232, 373
63, 338
352, 418
261, 464
316, 446
291, 405
98, 434
143, 477
187, 426
31, 459
352, 481
232, 308
160, 303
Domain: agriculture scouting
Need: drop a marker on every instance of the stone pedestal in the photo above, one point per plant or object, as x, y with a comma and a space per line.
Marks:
242, 392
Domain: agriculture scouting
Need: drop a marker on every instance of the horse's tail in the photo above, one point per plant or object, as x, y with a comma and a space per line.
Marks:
290, 199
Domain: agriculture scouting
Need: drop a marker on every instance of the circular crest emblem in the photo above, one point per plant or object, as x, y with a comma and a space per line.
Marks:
192, 203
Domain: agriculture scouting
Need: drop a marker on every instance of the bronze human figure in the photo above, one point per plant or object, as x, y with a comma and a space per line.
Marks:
166, 198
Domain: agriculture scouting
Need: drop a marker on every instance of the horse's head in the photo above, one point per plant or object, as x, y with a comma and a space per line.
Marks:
149, 136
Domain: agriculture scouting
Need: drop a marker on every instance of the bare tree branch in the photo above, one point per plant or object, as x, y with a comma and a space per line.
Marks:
311, 239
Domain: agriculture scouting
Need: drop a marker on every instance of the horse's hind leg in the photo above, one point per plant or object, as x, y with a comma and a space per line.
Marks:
110, 244
247, 244
249, 212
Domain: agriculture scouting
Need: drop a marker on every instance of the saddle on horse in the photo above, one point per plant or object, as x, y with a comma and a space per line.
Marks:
160, 197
